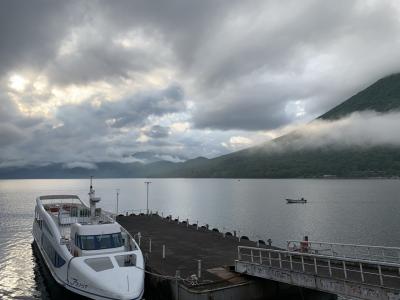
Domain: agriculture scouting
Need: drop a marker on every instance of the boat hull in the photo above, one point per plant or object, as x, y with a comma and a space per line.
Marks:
68, 285
290, 201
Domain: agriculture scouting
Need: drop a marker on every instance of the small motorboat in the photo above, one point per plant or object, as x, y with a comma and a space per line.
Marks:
301, 200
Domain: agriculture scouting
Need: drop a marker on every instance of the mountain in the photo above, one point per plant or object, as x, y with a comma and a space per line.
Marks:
326, 161
382, 96
258, 161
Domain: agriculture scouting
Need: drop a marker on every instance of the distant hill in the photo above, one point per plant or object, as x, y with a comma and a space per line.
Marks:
257, 162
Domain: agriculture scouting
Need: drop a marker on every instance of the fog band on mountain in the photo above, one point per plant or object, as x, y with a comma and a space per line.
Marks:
362, 129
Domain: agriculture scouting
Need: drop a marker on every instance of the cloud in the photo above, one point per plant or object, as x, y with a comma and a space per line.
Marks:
96, 81
157, 132
249, 109
10, 134
79, 164
30, 32
365, 129
237, 142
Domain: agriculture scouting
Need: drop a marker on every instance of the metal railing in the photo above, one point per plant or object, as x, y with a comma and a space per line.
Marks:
357, 270
364, 252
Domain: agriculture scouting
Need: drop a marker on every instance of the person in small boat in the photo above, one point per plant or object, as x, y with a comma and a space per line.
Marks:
304, 245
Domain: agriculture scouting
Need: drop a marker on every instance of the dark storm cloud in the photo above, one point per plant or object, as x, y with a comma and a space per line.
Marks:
30, 32
133, 111
101, 59
9, 134
259, 44
250, 110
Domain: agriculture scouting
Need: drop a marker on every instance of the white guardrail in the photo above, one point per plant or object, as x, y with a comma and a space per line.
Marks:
363, 252
360, 270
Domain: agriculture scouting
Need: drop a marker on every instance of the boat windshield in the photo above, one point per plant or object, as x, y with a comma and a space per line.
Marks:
101, 241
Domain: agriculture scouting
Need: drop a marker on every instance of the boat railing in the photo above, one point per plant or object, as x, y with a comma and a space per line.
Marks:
135, 245
353, 251
54, 199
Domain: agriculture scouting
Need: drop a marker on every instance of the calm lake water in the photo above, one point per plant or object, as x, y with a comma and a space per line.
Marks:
349, 211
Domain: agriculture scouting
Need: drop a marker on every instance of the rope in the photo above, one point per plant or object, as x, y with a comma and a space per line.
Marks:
191, 280
159, 275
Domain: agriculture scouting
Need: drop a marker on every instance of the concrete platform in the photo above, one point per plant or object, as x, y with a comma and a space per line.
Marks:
185, 245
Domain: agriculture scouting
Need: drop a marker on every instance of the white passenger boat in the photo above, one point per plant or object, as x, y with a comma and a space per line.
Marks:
85, 250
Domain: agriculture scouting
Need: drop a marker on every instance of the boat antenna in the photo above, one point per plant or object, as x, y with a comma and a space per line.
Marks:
93, 200
91, 191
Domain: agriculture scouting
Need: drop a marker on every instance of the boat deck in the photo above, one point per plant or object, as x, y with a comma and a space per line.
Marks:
65, 212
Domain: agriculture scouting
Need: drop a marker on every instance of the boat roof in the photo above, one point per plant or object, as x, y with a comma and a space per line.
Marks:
96, 229
50, 199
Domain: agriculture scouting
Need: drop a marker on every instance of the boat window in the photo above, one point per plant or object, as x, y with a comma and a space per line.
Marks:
126, 260
87, 242
52, 254
99, 263
101, 241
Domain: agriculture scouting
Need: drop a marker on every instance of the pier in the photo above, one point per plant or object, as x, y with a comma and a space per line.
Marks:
187, 261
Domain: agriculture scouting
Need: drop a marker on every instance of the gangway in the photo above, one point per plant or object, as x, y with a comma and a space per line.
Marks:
366, 252
349, 272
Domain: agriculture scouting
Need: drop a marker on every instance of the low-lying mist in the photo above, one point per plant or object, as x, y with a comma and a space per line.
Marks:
360, 129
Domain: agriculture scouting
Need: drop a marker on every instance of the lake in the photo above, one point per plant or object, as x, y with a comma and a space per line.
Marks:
348, 211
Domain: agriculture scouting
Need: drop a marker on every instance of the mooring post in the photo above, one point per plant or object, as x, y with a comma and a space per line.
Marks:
361, 272
329, 268
177, 275
163, 251
149, 245
380, 274
199, 268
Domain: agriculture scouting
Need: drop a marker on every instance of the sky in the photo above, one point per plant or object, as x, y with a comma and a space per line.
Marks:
90, 81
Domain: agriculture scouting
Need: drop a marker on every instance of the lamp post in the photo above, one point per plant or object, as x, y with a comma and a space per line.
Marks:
147, 196
117, 200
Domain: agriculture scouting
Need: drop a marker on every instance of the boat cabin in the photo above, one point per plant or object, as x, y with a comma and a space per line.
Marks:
91, 239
